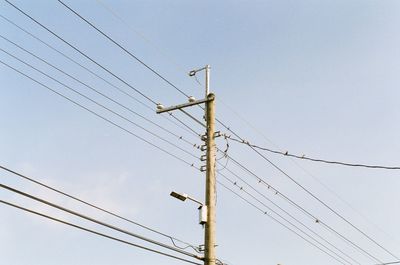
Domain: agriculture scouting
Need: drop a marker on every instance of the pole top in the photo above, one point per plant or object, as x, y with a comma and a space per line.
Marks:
210, 96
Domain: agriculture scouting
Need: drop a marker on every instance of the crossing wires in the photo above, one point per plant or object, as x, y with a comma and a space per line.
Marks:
97, 233
102, 209
277, 168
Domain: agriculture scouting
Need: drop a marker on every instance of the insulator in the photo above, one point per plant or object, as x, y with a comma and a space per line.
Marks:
160, 106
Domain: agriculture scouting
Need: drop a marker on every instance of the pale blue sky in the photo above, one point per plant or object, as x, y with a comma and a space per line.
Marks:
315, 77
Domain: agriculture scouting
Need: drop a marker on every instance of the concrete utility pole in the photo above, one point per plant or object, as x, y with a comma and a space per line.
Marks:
209, 138
209, 231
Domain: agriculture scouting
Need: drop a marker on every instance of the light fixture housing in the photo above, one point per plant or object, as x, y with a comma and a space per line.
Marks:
179, 196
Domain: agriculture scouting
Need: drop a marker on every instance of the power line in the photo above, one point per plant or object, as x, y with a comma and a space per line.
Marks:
25, 75
123, 48
98, 233
187, 95
84, 107
317, 220
249, 124
303, 157
93, 89
277, 192
242, 189
255, 150
105, 35
276, 220
302, 209
101, 105
186, 127
296, 182
82, 53
159, 50
101, 117
155, 72
142, 36
59, 191
314, 196
98, 222
281, 209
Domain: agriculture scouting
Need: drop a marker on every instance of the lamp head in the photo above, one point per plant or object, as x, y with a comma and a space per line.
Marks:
181, 197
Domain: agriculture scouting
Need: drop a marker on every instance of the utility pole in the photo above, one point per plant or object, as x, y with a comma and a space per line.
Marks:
209, 138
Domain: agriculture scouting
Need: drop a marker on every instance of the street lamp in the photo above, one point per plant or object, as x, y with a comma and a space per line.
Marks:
202, 208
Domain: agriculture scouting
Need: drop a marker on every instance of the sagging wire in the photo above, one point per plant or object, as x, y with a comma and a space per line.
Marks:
224, 154
197, 249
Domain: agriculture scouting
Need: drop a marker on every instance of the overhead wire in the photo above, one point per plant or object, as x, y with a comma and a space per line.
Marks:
281, 209
229, 130
91, 72
265, 158
82, 53
74, 49
307, 172
242, 189
302, 209
185, 126
129, 53
68, 195
100, 116
279, 222
89, 110
305, 211
315, 196
101, 105
98, 233
141, 35
95, 90
123, 48
303, 157
147, 40
172, 85
35, 80
119, 18
86, 217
